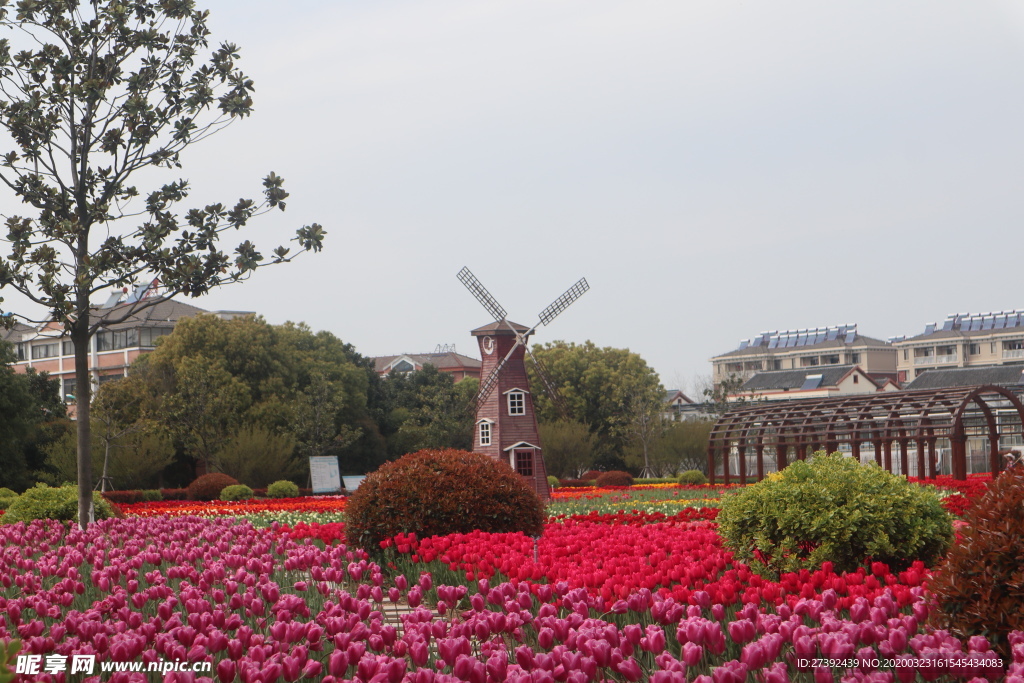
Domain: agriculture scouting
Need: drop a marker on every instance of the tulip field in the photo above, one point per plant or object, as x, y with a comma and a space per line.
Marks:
625, 584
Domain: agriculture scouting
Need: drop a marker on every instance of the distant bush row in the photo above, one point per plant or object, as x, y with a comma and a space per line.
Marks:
182, 494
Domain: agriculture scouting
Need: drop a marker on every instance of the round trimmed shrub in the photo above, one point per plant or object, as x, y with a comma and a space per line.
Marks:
44, 502
614, 478
283, 489
436, 492
591, 475
209, 486
553, 482
236, 492
832, 508
979, 589
151, 496
692, 478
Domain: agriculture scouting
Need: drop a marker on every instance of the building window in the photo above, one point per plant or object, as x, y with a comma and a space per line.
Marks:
516, 403
856, 380
67, 348
45, 350
808, 361
110, 378
21, 351
113, 340
734, 367
70, 386
752, 365
854, 358
149, 335
974, 349
485, 433
776, 365
830, 360
904, 354
524, 463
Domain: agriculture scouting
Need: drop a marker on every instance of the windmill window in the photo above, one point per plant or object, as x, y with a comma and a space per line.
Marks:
516, 403
524, 463
485, 433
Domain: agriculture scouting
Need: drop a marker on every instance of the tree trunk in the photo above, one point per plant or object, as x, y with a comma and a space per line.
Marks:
83, 396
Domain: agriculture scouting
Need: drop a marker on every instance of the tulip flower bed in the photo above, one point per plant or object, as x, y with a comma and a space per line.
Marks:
259, 511
263, 608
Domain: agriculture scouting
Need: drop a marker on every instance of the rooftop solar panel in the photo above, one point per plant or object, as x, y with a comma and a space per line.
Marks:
948, 324
811, 382
975, 324
999, 323
850, 336
987, 322
832, 333
744, 344
773, 342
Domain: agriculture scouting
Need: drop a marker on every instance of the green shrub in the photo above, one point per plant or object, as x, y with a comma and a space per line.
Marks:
7, 497
441, 492
209, 486
614, 478
553, 481
282, 489
655, 480
256, 457
692, 478
978, 588
575, 483
43, 502
832, 508
151, 495
236, 492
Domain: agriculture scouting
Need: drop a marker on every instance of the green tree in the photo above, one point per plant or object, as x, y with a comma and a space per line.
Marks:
213, 381
31, 415
683, 446
94, 95
436, 411
568, 448
597, 385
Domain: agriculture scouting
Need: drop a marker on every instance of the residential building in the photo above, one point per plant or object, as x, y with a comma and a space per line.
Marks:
806, 349
444, 359
1009, 376
820, 382
962, 340
681, 408
114, 346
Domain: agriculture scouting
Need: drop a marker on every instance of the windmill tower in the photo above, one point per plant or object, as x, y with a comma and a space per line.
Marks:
505, 420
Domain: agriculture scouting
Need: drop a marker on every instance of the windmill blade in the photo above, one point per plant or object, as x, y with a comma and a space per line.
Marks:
477, 289
549, 387
492, 380
563, 302
488, 386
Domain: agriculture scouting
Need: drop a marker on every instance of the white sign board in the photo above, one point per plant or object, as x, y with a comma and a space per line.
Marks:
323, 471
352, 483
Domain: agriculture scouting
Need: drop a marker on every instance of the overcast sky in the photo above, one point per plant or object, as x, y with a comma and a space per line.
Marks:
713, 169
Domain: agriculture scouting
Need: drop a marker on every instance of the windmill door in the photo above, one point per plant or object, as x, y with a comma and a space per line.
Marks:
523, 461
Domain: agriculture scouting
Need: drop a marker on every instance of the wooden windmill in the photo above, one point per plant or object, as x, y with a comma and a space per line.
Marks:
506, 423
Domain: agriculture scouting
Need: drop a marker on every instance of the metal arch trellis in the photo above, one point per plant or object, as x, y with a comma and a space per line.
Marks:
883, 420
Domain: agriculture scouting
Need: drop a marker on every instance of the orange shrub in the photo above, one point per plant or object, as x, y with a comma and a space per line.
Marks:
436, 492
979, 589
209, 486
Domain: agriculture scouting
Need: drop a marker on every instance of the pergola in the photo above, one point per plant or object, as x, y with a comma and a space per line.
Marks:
785, 430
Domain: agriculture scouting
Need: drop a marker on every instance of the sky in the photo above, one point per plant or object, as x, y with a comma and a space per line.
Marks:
714, 169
